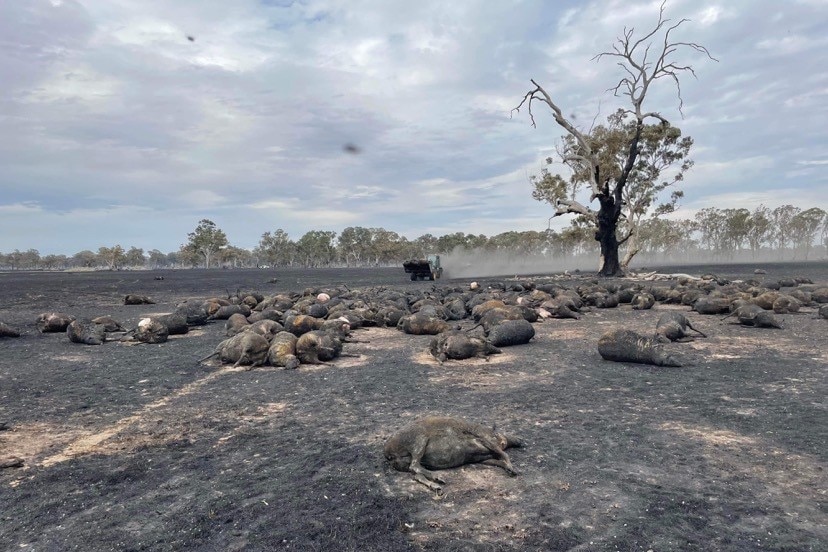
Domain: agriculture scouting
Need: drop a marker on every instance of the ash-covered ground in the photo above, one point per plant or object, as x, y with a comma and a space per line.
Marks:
139, 447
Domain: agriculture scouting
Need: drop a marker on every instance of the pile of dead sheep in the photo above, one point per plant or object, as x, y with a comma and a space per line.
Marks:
290, 329
749, 303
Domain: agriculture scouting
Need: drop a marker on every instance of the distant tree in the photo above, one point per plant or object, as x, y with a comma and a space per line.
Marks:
659, 236
593, 159
758, 229
276, 249
385, 246
156, 258
736, 229
425, 245
804, 228
578, 238
174, 258
14, 259
112, 257
316, 248
30, 259
824, 234
235, 257
781, 219
354, 245
85, 259
52, 262
135, 257
711, 223
449, 242
187, 257
520, 243
205, 240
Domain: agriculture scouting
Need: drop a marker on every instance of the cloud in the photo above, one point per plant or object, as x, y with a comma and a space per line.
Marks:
109, 109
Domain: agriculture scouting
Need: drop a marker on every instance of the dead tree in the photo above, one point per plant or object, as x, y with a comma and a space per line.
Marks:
635, 57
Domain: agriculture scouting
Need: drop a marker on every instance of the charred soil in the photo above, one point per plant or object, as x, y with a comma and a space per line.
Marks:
138, 447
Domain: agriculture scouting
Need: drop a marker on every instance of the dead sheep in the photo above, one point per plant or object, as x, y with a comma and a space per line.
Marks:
438, 443
245, 348
495, 316
766, 299
282, 351
151, 331
480, 310
176, 322
643, 301
87, 333
458, 345
390, 316
711, 305
317, 347
561, 307
266, 314
226, 311
8, 331
601, 300
236, 323
785, 304
53, 322
511, 332
195, 313
422, 324
133, 299
628, 346
755, 316
672, 326
265, 328
340, 327
302, 323
820, 295
109, 324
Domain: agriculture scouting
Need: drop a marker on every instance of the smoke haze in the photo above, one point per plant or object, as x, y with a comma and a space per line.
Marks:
481, 263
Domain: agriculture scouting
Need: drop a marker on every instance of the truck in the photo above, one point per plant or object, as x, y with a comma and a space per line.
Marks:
424, 269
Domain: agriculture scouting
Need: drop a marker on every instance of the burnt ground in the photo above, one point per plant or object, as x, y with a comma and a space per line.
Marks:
137, 447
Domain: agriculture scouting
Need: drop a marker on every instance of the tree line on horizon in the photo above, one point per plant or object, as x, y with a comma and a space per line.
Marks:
785, 233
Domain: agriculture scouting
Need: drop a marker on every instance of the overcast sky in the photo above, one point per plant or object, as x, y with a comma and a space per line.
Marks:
115, 128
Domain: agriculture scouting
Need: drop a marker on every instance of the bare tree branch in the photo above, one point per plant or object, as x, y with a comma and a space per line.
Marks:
567, 206
641, 72
588, 158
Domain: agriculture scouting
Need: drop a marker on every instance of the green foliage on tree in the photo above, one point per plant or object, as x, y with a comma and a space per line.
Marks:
276, 249
805, 226
135, 257
603, 160
156, 258
661, 149
112, 258
204, 242
316, 248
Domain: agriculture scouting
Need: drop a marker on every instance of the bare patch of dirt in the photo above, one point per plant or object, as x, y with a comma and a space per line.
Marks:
142, 448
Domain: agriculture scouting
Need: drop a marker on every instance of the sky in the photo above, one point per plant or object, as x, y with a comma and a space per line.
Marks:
116, 128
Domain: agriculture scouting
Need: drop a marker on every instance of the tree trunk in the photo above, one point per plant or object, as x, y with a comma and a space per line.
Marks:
610, 266
605, 235
632, 251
